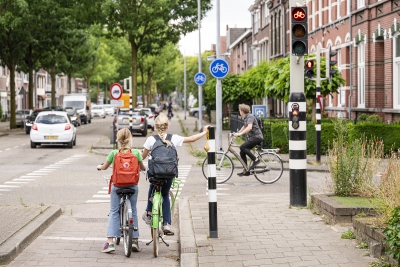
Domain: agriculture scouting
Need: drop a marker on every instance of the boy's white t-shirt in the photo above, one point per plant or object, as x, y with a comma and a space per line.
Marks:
177, 140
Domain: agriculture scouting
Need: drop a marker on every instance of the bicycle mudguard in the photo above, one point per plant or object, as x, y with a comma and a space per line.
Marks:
154, 211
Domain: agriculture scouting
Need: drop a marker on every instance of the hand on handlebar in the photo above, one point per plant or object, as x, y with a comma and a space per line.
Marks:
99, 167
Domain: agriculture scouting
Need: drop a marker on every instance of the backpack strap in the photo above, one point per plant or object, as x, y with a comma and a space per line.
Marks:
157, 137
169, 137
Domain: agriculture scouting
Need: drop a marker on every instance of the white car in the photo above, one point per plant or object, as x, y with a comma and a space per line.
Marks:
149, 115
53, 127
109, 110
98, 110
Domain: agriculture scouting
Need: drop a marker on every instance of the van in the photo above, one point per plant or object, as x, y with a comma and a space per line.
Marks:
81, 103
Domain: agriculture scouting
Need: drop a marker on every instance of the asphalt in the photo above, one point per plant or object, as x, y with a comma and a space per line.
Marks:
257, 229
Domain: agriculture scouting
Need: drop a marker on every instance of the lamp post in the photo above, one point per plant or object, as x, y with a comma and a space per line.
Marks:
218, 97
200, 88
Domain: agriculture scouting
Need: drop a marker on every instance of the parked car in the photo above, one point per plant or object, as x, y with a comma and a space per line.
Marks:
139, 121
31, 119
21, 116
55, 108
53, 127
139, 104
99, 111
109, 109
195, 111
149, 115
74, 116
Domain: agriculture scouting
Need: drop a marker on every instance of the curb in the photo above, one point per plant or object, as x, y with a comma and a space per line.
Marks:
10, 249
188, 254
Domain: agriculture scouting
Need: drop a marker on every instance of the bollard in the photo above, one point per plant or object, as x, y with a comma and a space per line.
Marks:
212, 184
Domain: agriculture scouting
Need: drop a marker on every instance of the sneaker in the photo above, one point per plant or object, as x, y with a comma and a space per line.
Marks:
135, 245
244, 173
167, 229
255, 163
108, 247
146, 218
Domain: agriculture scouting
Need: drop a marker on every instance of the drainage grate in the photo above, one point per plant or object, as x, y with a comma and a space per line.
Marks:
92, 220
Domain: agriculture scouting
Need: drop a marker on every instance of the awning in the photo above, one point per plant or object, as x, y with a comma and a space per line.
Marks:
42, 96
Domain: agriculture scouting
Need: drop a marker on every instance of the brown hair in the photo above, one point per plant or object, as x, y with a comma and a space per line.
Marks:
245, 108
161, 124
124, 136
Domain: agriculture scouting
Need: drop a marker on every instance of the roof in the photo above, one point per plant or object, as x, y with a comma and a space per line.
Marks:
240, 38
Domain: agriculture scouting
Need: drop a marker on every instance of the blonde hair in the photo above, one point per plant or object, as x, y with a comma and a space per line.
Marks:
245, 108
161, 124
124, 136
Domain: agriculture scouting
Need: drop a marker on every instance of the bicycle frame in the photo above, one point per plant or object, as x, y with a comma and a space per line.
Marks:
156, 214
175, 184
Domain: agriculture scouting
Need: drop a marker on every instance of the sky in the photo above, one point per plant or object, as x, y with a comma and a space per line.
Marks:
233, 13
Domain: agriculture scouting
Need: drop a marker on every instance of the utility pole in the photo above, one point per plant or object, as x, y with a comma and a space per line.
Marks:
184, 86
200, 88
218, 96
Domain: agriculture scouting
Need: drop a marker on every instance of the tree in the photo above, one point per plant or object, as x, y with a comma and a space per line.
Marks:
13, 40
150, 25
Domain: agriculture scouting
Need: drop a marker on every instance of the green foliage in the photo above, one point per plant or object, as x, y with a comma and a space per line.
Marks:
253, 80
362, 117
392, 235
380, 131
277, 82
348, 235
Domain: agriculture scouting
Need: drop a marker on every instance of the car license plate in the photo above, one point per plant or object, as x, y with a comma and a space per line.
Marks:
51, 137
127, 120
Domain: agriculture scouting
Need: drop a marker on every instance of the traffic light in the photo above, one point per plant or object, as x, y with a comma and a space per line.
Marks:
309, 69
330, 63
299, 31
295, 116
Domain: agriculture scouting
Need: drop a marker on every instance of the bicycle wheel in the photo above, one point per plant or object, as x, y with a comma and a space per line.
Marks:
224, 167
156, 221
270, 169
171, 202
127, 228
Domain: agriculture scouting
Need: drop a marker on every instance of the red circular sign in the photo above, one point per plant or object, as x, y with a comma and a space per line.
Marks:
298, 14
116, 91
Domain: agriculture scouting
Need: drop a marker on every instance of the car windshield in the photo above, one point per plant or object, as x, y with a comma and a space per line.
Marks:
70, 112
51, 119
75, 104
126, 112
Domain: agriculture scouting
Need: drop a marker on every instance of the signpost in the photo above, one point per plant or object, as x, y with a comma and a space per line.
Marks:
219, 68
200, 78
116, 91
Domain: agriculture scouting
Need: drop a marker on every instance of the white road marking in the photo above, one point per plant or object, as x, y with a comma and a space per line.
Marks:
97, 201
8, 186
102, 192
44, 170
7, 149
30, 176
15, 147
16, 182
5, 190
22, 144
102, 196
16, 179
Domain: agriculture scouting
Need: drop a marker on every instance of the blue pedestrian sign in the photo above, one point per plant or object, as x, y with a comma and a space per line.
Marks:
219, 68
200, 78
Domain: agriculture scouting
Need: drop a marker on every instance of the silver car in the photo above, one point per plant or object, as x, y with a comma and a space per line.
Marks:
139, 121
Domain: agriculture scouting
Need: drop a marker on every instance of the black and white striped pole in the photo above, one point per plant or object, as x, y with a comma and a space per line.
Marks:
130, 104
212, 183
297, 106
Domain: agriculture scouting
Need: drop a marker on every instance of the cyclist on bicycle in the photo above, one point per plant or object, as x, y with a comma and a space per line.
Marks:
170, 115
124, 137
162, 124
251, 127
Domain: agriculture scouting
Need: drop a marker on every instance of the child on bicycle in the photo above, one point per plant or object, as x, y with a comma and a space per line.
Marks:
124, 137
162, 125
251, 127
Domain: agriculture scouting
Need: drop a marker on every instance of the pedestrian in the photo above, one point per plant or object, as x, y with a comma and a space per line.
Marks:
255, 137
162, 125
124, 137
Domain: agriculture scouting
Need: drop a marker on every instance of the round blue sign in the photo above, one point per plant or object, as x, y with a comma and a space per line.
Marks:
219, 68
200, 78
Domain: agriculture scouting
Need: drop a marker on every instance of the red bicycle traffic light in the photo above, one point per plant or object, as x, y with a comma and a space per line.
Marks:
299, 29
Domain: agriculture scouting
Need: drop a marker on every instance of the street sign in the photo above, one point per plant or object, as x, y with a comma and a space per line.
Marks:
219, 68
116, 91
200, 78
117, 103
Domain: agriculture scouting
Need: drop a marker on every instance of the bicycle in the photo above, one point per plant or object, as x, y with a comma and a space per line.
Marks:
157, 211
268, 171
126, 225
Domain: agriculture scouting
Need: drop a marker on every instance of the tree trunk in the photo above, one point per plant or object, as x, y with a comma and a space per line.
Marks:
30, 87
142, 75
69, 83
149, 76
12, 67
53, 85
134, 72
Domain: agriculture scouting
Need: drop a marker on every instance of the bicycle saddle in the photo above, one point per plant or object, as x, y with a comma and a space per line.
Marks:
125, 191
157, 180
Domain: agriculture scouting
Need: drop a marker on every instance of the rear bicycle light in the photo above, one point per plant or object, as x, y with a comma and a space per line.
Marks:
130, 221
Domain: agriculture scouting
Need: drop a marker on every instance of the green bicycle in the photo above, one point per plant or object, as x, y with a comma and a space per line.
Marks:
157, 212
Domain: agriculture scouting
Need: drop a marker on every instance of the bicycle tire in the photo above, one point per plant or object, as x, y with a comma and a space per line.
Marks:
127, 229
156, 222
274, 163
117, 240
171, 199
224, 167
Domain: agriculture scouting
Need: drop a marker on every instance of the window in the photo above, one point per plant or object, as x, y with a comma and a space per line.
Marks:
256, 22
396, 71
266, 14
361, 74
338, 9
3, 71
360, 3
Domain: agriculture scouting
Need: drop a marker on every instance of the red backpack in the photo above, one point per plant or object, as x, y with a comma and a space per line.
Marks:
126, 169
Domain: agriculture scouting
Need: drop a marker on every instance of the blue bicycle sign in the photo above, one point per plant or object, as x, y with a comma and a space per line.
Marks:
200, 78
219, 68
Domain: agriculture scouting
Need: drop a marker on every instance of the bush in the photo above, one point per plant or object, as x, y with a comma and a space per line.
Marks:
392, 235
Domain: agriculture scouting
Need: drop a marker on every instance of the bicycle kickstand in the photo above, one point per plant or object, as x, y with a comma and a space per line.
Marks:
164, 241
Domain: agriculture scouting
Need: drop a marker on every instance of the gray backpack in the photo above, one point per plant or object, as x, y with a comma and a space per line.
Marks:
163, 160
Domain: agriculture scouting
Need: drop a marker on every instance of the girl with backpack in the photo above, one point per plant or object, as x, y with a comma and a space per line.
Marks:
161, 126
124, 137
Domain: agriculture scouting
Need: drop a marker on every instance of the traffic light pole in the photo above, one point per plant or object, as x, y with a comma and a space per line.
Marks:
297, 117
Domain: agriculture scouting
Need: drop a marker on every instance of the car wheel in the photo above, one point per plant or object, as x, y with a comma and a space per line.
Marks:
144, 133
33, 144
195, 114
90, 121
70, 144
74, 143
27, 130
85, 122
